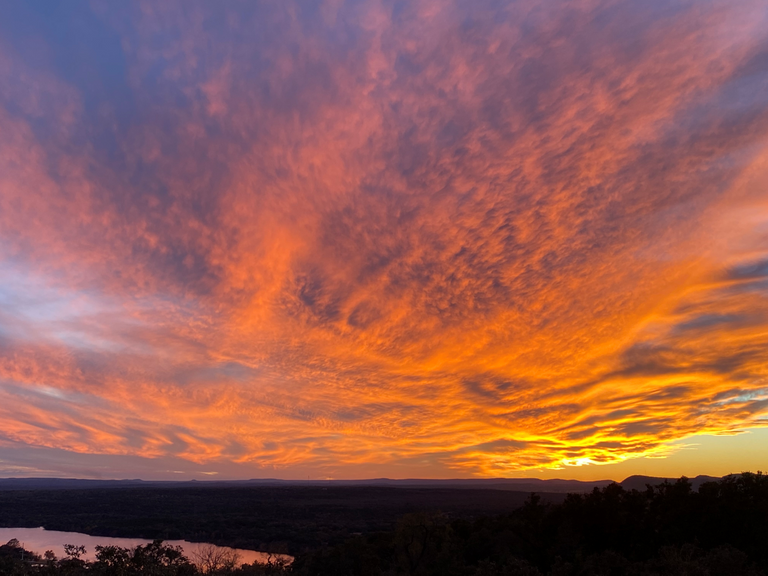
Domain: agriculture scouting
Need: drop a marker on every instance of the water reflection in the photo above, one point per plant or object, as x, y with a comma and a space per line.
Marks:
39, 540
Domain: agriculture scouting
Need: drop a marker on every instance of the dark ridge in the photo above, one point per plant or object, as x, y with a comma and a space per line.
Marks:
556, 486
642, 482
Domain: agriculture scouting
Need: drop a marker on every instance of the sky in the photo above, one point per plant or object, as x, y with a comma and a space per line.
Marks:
372, 238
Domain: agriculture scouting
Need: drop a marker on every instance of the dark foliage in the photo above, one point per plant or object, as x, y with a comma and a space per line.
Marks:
721, 530
154, 559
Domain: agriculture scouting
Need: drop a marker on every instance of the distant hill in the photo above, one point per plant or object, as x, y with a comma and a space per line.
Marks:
640, 482
555, 486
514, 484
64, 483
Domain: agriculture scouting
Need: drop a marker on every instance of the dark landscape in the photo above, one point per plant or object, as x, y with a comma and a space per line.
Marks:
702, 526
396, 255
271, 515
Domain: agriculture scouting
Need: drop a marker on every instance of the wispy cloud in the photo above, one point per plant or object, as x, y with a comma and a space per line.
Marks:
448, 237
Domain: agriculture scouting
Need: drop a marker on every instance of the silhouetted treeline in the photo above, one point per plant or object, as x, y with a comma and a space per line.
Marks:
669, 529
721, 530
155, 559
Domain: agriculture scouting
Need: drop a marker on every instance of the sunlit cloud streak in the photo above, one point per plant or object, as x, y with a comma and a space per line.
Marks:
446, 238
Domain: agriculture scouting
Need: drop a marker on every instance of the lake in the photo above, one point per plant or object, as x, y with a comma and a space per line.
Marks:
39, 540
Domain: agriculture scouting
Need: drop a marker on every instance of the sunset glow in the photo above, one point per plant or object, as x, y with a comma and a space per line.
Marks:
371, 238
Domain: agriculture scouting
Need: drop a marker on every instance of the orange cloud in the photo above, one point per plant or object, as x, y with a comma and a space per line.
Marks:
433, 238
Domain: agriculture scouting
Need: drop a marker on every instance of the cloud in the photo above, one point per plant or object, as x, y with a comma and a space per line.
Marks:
471, 238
